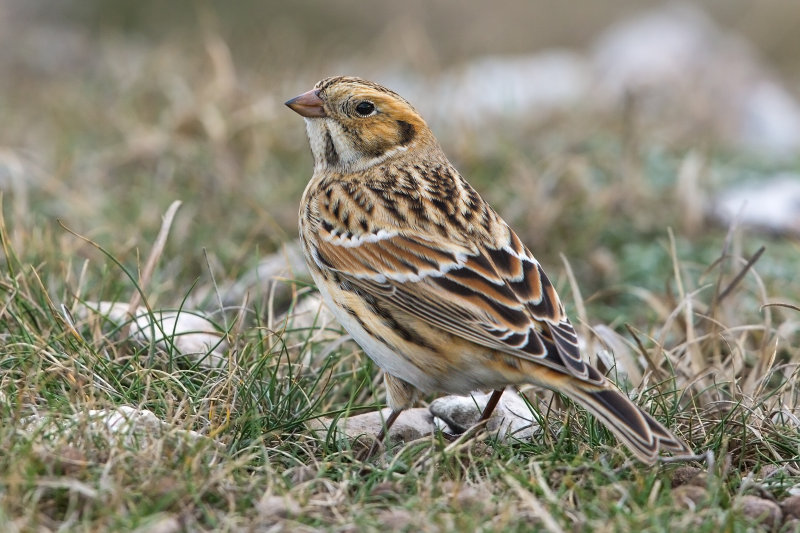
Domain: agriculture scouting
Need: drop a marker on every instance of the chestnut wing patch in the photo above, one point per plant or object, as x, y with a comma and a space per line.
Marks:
496, 297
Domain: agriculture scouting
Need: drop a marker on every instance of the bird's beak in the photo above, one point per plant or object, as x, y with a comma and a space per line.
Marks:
308, 105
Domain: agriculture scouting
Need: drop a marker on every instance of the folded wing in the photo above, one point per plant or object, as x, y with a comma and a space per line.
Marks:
497, 296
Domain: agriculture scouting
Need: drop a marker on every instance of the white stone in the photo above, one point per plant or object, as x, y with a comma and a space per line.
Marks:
120, 426
511, 418
771, 204
654, 48
410, 425
188, 331
688, 71
770, 119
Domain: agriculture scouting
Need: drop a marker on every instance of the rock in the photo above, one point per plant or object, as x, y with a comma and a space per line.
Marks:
770, 119
685, 71
18, 176
761, 510
163, 523
522, 87
688, 475
768, 471
619, 356
689, 496
455, 414
288, 262
791, 525
511, 417
469, 497
783, 416
311, 313
767, 204
791, 507
386, 489
66, 460
311, 326
121, 426
678, 68
531, 86
138, 427
654, 48
188, 331
466, 496
301, 474
412, 424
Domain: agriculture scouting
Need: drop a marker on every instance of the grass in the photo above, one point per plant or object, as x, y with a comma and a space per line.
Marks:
698, 336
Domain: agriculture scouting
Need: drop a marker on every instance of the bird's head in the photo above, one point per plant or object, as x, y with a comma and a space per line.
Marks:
354, 124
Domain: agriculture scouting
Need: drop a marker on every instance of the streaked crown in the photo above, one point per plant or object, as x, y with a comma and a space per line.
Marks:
354, 124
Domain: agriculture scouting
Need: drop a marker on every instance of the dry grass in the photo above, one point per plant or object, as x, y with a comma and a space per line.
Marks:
704, 330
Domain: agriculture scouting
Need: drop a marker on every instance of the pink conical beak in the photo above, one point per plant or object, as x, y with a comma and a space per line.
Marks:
308, 105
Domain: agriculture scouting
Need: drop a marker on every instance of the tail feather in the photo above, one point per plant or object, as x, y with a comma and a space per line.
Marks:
640, 432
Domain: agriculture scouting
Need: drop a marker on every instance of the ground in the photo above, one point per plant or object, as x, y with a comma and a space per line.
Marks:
102, 133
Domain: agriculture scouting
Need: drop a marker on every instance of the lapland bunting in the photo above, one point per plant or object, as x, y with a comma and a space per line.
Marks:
426, 277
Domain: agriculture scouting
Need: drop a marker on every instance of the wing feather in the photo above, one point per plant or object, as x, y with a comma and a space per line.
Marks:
495, 296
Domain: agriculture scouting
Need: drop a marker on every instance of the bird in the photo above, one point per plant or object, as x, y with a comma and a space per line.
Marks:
427, 278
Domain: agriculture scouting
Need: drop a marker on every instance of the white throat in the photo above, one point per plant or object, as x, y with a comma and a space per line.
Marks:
333, 149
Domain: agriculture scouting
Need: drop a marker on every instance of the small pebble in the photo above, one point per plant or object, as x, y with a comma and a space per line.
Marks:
791, 507
767, 471
791, 525
764, 511
688, 475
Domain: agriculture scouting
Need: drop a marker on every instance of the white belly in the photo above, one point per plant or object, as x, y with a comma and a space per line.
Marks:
383, 355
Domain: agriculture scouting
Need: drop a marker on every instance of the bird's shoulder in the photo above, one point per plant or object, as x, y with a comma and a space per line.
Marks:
431, 200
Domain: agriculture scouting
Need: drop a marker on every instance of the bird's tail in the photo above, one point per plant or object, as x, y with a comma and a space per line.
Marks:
640, 432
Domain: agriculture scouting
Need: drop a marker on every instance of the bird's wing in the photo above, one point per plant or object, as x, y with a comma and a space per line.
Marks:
494, 296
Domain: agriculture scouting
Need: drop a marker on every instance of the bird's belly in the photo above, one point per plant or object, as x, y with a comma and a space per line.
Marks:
381, 353
457, 367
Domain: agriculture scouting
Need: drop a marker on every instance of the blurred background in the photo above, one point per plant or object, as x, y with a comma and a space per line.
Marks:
650, 148
591, 127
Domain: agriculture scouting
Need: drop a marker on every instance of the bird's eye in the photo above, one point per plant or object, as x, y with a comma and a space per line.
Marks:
365, 108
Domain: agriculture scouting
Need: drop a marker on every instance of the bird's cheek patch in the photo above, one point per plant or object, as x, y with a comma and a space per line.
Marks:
377, 141
407, 132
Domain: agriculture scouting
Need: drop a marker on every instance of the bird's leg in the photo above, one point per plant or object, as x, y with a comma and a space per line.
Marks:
485, 415
378, 442
387, 426
400, 396
490, 405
